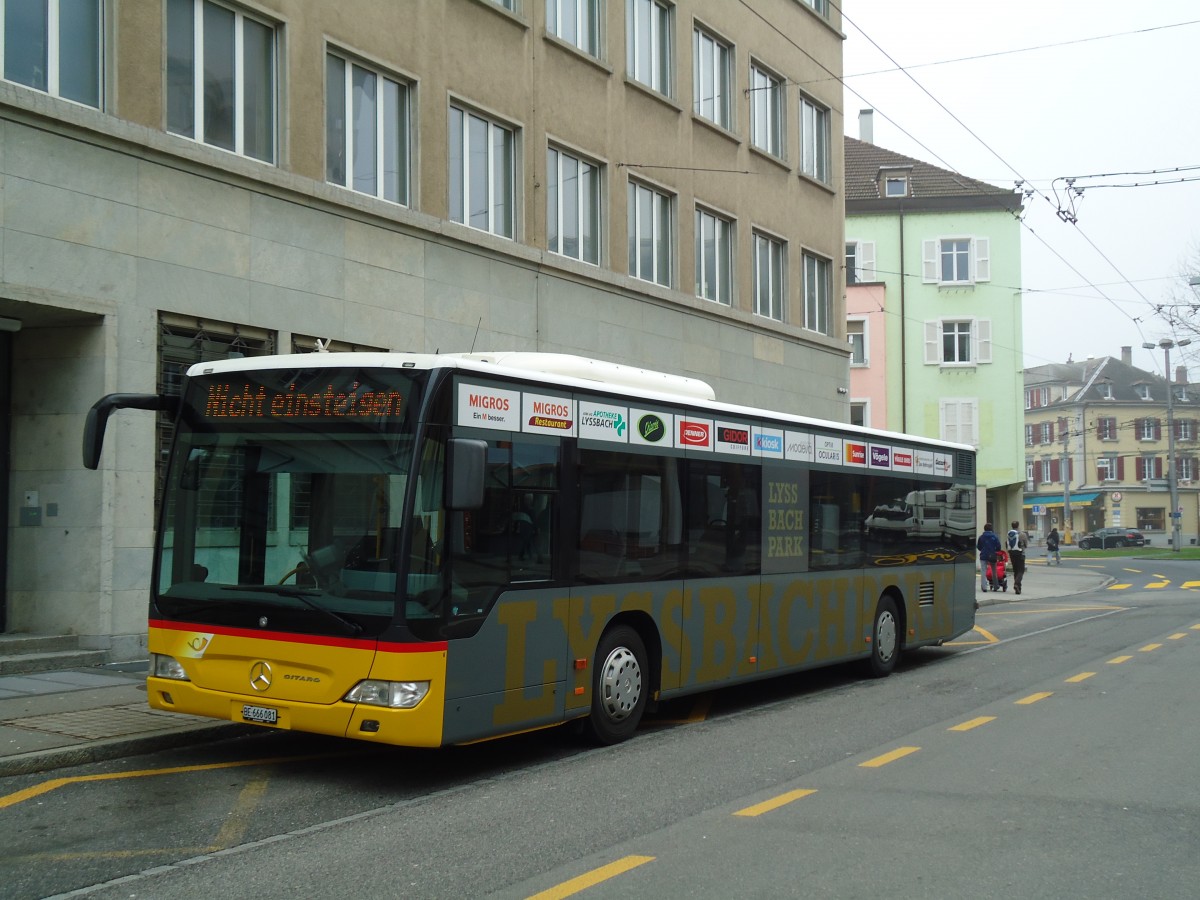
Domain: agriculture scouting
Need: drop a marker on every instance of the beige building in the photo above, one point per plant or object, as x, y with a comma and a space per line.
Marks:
650, 183
1098, 439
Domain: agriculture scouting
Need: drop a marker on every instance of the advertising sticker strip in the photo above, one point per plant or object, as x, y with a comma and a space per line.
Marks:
546, 414
694, 434
651, 428
768, 442
603, 422
489, 407
732, 437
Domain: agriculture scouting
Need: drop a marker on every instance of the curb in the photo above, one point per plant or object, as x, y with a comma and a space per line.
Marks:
115, 748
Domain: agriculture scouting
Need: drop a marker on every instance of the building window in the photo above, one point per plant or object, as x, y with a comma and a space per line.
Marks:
766, 111
860, 414
1149, 430
1028, 435
1047, 430
856, 335
860, 261
1149, 467
482, 172
895, 186
768, 277
714, 257
956, 260
814, 141
1029, 475
1104, 389
575, 21
712, 78
1143, 391
1106, 428
649, 50
821, 6
1181, 393
572, 206
1185, 468
1151, 518
958, 342
56, 46
221, 78
650, 228
510, 5
959, 421
1106, 468
816, 294
1184, 430
366, 130
1046, 467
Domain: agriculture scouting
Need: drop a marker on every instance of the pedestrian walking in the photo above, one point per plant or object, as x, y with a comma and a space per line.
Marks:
988, 546
1017, 542
1052, 548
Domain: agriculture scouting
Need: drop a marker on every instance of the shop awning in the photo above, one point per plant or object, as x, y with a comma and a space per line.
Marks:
1056, 500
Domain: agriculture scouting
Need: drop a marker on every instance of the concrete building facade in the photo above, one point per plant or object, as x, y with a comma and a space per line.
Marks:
650, 183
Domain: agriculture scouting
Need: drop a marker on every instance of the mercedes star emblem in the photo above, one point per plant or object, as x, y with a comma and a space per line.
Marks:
260, 676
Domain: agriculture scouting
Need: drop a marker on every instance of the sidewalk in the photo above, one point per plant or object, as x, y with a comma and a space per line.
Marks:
50, 720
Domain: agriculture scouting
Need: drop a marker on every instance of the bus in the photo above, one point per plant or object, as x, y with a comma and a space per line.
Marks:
427, 550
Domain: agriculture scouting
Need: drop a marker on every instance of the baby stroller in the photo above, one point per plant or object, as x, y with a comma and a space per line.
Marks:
1001, 565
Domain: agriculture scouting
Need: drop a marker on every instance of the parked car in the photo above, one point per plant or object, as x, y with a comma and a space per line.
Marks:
1103, 538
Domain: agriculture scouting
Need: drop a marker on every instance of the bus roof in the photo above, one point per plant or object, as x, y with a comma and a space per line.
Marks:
553, 369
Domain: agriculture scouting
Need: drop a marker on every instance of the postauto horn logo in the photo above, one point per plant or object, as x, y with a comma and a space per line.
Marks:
651, 428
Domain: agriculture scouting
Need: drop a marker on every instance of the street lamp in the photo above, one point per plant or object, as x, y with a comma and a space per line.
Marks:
1172, 475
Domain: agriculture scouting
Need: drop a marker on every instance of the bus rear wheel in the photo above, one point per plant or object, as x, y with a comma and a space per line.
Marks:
619, 687
885, 638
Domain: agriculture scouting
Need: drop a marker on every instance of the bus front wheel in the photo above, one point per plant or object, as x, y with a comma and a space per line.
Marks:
619, 687
885, 638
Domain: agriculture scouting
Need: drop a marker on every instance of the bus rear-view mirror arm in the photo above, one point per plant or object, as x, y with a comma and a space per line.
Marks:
97, 418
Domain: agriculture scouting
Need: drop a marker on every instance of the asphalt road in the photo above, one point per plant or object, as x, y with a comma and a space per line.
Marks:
1049, 754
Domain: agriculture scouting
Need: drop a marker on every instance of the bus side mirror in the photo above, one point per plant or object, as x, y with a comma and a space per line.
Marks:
97, 419
466, 466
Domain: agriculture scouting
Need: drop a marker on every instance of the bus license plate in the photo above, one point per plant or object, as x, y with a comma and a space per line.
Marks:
261, 715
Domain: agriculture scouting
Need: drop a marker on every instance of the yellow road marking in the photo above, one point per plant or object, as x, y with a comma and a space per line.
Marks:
1148, 648
1082, 676
1190, 584
1034, 698
894, 755
1134, 571
774, 803
53, 784
1024, 609
1119, 587
1157, 584
235, 826
1117, 660
972, 723
1196, 628
592, 878
1177, 635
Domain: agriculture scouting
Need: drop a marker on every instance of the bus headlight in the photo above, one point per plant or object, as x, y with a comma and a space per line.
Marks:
162, 666
394, 694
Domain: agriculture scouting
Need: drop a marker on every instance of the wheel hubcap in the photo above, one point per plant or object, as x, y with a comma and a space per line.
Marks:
885, 637
620, 683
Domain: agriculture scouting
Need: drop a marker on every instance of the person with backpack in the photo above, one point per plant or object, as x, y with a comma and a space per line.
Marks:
1052, 548
988, 546
1017, 541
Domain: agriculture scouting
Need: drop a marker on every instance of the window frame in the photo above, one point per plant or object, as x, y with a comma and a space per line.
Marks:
979, 342
952, 408
860, 357
723, 250
198, 129
556, 208
720, 54
660, 52
401, 138
818, 309
769, 292
773, 109
662, 228
460, 177
589, 41
860, 262
55, 60
815, 150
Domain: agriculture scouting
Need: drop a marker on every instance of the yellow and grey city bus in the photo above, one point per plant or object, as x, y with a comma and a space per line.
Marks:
435, 549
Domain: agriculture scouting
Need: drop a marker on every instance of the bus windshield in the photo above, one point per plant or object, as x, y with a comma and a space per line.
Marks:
283, 504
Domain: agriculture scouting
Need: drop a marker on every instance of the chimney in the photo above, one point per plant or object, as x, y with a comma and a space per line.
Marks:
1127, 355
1181, 375
866, 128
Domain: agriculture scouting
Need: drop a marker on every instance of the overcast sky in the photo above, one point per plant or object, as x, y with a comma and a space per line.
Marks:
1114, 90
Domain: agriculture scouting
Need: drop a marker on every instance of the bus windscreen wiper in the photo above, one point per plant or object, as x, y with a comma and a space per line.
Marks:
305, 597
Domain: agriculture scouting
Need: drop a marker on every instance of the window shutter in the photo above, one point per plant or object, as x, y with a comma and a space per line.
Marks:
1157, 430
1070, 469
1050, 431
1120, 468
932, 341
983, 345
1099, 429
1054, 470
929, 262
1101, 471
1158, 467
866, 263
983, 261
970, 431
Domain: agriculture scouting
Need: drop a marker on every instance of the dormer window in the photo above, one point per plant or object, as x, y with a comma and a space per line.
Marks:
1143, 391
895, 186
1181, 393
1104, 389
